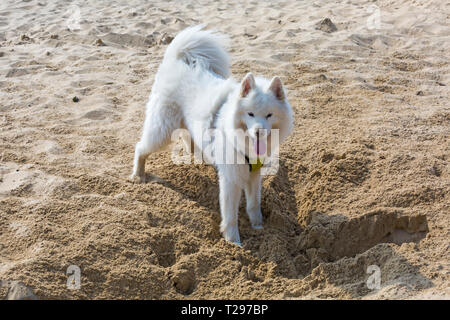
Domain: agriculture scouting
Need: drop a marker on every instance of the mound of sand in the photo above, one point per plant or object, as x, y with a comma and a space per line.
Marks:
363, 180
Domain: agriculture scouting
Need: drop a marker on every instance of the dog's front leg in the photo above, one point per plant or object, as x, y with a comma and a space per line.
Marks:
253, 197
230, 194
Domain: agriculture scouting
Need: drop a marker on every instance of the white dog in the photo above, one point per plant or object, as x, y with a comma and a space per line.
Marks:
192, 90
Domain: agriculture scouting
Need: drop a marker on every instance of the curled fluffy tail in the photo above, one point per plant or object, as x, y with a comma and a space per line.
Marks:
200, 48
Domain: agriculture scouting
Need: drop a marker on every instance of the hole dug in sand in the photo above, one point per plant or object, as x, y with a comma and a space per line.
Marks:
329, 238
183, 278
301, 245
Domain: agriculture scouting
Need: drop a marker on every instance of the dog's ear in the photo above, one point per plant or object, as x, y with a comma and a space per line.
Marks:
247, 84
277, 88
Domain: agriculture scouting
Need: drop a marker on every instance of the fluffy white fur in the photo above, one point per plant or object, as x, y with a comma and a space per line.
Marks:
192, 90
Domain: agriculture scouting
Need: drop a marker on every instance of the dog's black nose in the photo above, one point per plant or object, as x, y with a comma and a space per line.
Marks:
261, 133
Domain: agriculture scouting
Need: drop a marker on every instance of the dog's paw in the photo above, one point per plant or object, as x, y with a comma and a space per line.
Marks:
136, 179
258, 226
235, 242
238, 243
231, 234
256, 218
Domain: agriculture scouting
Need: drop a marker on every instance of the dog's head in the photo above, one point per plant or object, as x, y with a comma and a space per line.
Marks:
261, 108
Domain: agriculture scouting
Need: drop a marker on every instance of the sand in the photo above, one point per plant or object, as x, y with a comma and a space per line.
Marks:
363, 179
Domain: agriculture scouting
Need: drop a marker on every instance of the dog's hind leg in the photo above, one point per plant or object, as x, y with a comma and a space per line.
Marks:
253, 197
160, 121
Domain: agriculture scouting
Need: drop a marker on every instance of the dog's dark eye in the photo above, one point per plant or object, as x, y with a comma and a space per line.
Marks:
251, 114
269, 115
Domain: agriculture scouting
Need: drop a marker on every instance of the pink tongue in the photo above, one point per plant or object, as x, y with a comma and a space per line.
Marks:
259, 146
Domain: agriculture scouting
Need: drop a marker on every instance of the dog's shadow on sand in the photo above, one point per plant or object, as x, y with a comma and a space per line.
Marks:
197, 183
339, 248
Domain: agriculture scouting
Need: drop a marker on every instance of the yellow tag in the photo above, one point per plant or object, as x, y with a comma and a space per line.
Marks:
256, 166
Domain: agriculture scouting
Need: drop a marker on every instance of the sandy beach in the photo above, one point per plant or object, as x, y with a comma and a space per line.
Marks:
364, 179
